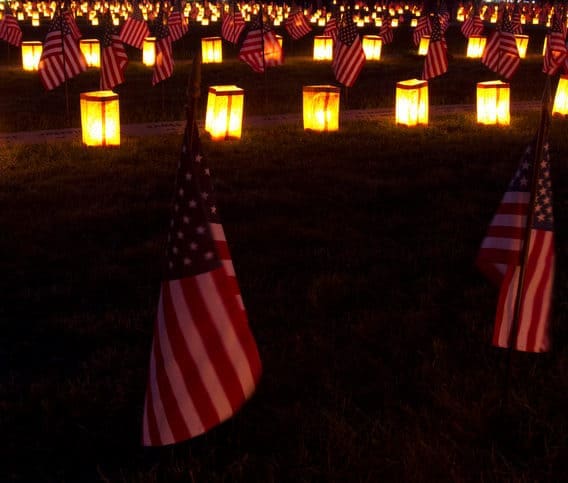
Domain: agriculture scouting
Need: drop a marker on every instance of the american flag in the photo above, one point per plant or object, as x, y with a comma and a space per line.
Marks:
330, 29
501, 54
297, 25
176, 22
556, 53
164, 66
251, 51
472, 25
73, 27
114, 59
386, 31
135, 29
10, 29
499, 257
422, 28
516, 20
204, 362
436, 61
232, 26
348, 54
61, 58
444, 15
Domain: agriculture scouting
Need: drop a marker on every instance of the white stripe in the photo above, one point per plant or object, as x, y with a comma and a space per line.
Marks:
226, 332
516, 197
217, 231
508, 310
229, 269
176, 379
512, 244
509, 220
196, 348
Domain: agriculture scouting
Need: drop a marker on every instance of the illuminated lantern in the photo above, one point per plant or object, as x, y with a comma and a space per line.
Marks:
211, 50
321, 22
31, 53
321, 107
522, 44
224, 116
412, 102
544, 46
475, 46
423, 46
535, 20
414, 22
100, 118
493, 103
92, 51
394, 23
372, 45
280, 40
149, 51
323, 47
560, 106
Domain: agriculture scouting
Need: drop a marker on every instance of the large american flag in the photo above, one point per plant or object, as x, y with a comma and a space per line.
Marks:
499, 257
61, 58
472, 25
10, 29
556, 53
297, 25
501, 54
348, 54
135, 29
164, 65
436, 61
423, 27
114, 59
232, 26
176, 22
204, 362
251, 51
386, 30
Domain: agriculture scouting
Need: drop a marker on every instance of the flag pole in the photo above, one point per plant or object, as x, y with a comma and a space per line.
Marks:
193, 93
65, 86
542, 135
261, 19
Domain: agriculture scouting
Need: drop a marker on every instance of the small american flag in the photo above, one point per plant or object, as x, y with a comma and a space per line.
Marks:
501, 54
348, 54
499, 257
61, 58
251, 51
386, 30
516, 20
472, 25
444, 16
135, 29
204, 362
176, 22
10, 29
297, 25
114, 59
556, 53
330, 29
164, 66
72, 24
423, 27
436, 61
232, 26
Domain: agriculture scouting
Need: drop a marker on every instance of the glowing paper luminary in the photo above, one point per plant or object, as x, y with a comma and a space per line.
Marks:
522, 44
321, 107
100, 118
211, 50
92, 51
476, 46
323, 47
493, 103
224, 116
560, 106
31, 53
372, 45
149, 51
412, 102
414, 22
423, 46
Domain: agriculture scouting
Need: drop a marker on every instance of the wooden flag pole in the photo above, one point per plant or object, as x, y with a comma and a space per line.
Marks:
542, 135
65, 86
193, 94
261, 18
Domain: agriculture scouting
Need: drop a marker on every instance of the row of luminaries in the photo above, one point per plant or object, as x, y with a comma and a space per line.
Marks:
212, 49
100, 119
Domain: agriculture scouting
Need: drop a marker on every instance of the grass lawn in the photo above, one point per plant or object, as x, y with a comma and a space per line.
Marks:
354, 252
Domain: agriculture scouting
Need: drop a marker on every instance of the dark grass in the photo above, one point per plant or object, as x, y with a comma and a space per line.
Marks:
357, 271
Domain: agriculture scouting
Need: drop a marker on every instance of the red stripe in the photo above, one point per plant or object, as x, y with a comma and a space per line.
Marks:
499, 231
500, 324
213, 341
194, 385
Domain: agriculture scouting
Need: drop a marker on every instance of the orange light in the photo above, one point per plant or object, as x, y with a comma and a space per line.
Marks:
100, 118
224, 116
412, 102
493, 103
321, 108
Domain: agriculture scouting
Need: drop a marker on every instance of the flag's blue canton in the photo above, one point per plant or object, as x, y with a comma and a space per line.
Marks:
507, 24
109, 31
436, 34
347, 32
137, 13
557, 22
543, 218
57, 24
191, 248
162, 30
